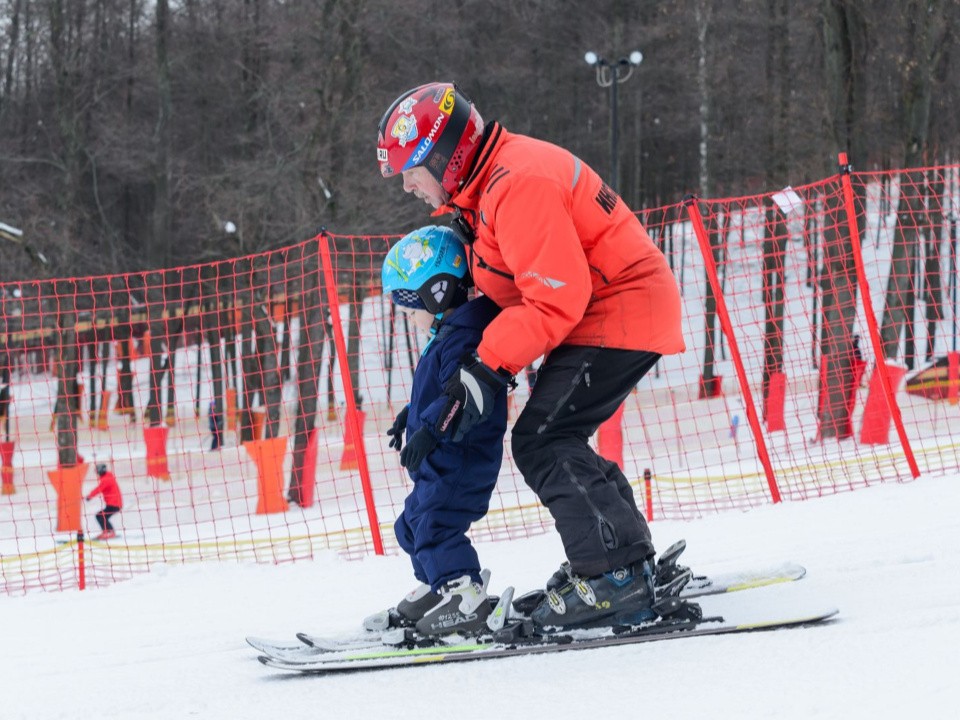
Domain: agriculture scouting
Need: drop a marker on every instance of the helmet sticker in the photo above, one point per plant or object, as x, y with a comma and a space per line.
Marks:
439, 290
426, 144
382, 155
417, 254
446, 104
405, 129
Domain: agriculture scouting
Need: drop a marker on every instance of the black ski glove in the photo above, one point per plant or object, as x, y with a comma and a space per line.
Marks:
471, 393
396, 431
421, 444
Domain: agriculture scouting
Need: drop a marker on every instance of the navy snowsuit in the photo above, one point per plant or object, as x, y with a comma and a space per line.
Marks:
453, 485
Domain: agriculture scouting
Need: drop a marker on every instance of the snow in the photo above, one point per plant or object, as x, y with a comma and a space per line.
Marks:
169, 644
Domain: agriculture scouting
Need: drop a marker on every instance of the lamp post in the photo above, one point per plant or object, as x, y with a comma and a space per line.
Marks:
611, 74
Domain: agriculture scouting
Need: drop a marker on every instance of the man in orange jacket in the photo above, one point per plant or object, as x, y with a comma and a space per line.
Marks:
112, 499
581, 283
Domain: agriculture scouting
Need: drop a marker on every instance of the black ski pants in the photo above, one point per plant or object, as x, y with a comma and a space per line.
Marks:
591, 502
103, 517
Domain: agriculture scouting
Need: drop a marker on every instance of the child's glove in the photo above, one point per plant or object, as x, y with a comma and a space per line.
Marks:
471, 393
421, 444
396, 431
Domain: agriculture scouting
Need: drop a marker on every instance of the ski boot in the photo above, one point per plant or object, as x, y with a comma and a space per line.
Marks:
408, 611
664, 573
621, 597
411, 609
464, 608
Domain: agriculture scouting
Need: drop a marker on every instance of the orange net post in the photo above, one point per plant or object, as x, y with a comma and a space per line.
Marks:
268, 456
6, 468
67, 482
155, 439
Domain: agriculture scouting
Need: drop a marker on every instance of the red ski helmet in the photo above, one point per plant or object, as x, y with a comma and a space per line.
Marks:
434, 125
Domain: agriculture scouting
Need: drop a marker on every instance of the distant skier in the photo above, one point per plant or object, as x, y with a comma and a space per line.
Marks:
113, 501
453, 473
216, 426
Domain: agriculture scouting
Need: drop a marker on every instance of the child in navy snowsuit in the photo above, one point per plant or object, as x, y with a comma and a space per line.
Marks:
453, 480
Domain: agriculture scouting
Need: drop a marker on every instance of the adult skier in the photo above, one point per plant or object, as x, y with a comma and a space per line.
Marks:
580, 282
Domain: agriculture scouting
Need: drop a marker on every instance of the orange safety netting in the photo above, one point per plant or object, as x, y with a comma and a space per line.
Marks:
244, 413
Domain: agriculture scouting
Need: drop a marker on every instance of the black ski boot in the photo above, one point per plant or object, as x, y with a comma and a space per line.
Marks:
620, 597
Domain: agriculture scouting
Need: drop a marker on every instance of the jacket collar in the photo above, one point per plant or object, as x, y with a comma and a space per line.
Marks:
467, 197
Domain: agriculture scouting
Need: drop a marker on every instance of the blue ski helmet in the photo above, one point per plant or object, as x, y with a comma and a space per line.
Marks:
426, 270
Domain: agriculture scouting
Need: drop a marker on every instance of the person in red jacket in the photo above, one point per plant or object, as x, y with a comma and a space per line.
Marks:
112, 499
579, 282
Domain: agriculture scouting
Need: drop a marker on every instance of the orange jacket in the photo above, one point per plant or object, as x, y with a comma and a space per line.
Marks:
110, 489
563, 255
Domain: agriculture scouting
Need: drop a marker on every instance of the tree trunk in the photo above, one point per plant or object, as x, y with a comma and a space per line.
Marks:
67, 405
901, 282
160, 248
308, 374
933, 280
839, 292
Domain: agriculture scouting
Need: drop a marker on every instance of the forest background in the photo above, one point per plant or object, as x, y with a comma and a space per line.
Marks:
134, 132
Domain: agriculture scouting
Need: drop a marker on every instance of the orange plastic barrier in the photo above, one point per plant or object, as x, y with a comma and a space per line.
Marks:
259, 418
101, 423
349, 460
876, 413
308, 480
610, 438
776, 394
231, 412
68, 481
268, 456
6, 468
155, 439
953, 377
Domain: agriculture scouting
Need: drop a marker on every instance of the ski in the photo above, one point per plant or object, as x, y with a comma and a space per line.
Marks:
510, 643
703, 585
309, 645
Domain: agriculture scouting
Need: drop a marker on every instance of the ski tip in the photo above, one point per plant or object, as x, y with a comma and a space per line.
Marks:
305, 639
258, 643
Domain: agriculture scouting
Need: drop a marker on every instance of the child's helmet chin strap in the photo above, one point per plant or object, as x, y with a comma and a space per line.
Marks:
434, 328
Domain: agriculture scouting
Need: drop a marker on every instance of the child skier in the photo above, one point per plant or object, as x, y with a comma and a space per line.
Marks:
113, 501
453, 476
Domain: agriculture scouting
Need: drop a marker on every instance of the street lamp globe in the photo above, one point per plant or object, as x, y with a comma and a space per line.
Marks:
591, 58
636, 57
